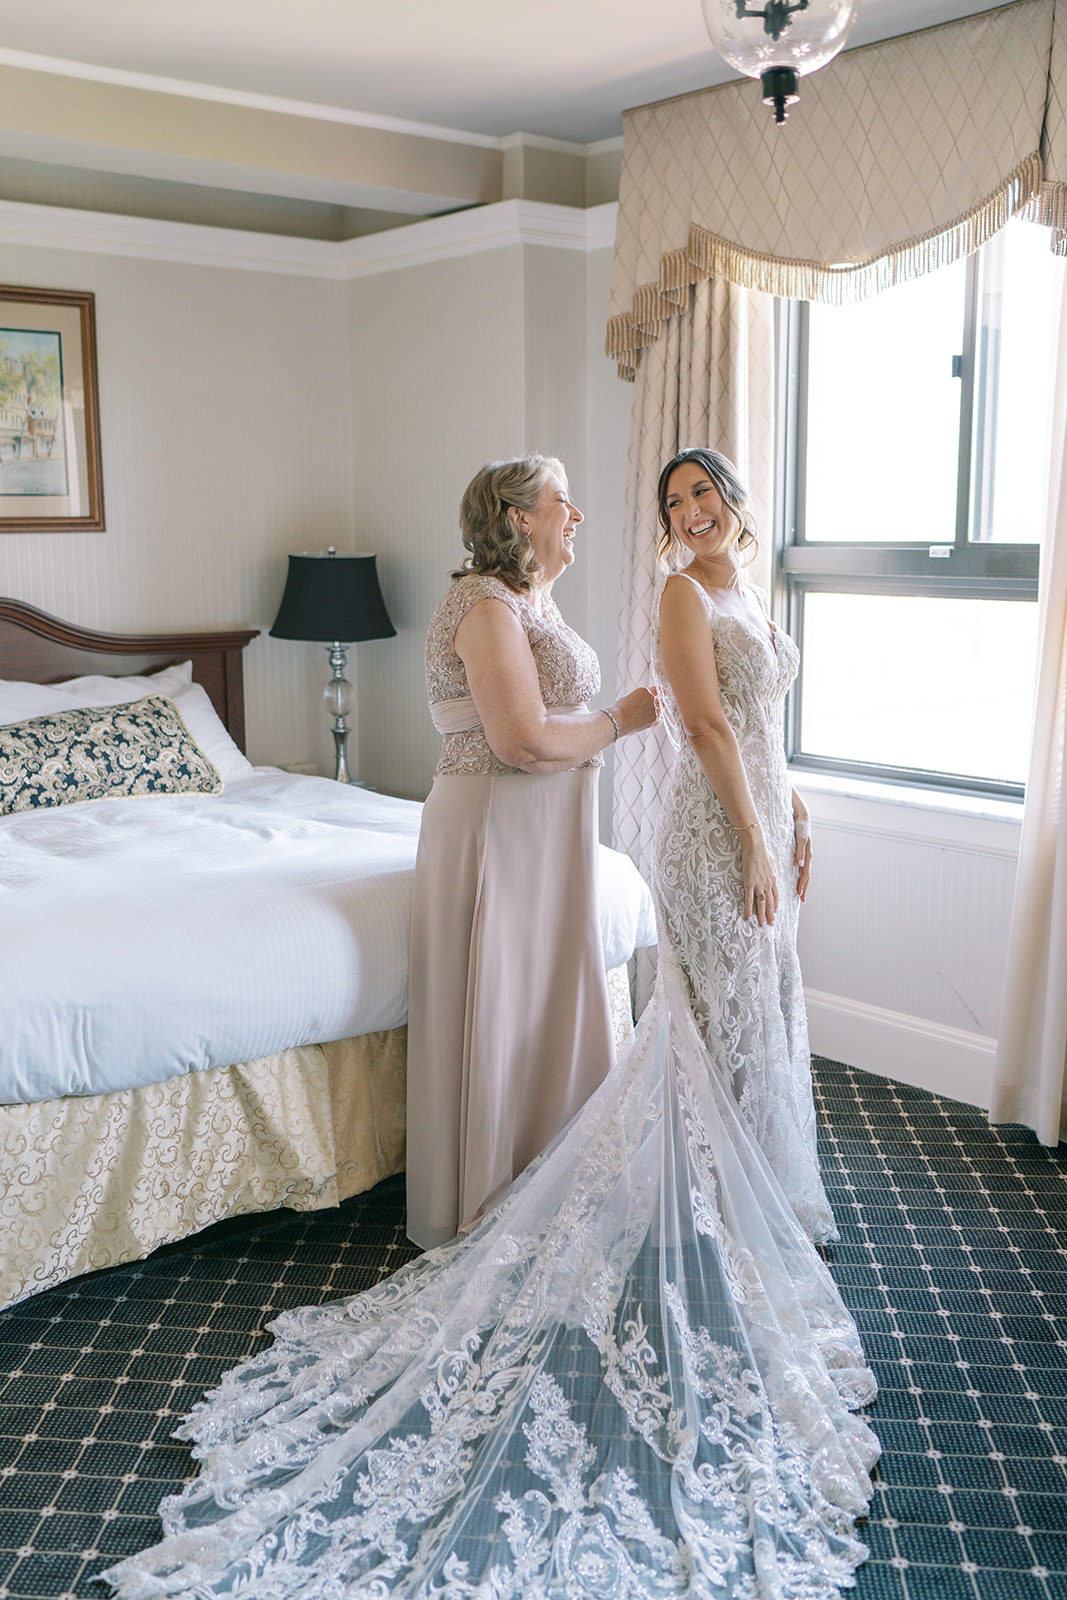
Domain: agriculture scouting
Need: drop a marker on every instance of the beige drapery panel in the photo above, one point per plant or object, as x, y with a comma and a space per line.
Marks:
708, 381
901, 157
1030, 1071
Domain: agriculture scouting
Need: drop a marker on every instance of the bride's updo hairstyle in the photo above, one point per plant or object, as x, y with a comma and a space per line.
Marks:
498, 548
670, 552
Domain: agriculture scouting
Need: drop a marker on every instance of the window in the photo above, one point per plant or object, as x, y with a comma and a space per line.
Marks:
915, 432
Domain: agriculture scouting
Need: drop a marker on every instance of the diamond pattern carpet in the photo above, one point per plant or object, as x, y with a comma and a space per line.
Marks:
953, 1258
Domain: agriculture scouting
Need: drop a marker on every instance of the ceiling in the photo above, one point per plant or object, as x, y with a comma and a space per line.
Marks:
565, 69
332, 119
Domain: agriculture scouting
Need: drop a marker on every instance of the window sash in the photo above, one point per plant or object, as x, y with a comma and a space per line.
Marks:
965, 568
999, 572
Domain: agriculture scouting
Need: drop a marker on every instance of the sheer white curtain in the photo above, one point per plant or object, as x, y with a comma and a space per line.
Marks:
707, 380
1030, 1074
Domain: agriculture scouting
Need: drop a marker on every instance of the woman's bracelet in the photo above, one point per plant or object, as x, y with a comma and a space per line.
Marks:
614, 723
746, 828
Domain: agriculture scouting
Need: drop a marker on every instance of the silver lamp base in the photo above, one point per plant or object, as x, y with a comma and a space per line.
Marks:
339, 700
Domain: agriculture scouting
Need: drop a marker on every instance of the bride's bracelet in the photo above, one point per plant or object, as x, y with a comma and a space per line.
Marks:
747, 827
614, 723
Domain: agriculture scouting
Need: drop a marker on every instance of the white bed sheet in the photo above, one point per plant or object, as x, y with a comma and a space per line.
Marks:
140, 939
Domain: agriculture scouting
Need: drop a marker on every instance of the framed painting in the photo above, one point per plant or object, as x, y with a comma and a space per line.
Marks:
50, 476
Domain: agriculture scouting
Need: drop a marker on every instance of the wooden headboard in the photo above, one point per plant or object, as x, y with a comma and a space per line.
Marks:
37, 648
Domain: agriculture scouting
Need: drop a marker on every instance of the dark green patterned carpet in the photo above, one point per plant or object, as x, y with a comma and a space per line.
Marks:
953, 1259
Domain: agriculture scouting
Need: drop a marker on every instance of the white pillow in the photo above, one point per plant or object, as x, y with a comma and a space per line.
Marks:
209, 732
20, 701
96, 690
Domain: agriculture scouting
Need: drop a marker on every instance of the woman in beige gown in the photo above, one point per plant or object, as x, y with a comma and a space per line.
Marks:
509, 1029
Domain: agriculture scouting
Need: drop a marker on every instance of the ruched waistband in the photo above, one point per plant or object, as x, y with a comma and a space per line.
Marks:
455, 716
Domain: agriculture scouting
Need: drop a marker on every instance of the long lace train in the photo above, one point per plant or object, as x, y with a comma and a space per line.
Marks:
634, 1379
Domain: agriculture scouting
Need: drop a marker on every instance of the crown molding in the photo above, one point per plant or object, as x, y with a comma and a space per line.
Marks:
566, 147
103, 233
462, 233
495, 227
601, 147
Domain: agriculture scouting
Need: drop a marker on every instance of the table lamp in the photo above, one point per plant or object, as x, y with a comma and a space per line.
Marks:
334, 599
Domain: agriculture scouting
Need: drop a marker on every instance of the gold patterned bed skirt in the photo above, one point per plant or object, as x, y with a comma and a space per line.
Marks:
97, 1180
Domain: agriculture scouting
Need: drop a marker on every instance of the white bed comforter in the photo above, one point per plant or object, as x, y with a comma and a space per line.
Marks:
140, 939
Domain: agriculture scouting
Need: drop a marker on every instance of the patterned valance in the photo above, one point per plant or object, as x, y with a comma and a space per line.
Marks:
901, 157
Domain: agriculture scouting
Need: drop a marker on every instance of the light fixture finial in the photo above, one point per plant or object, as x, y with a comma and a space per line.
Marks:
780, 41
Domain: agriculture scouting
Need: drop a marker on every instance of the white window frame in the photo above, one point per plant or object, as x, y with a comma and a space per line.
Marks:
965, 568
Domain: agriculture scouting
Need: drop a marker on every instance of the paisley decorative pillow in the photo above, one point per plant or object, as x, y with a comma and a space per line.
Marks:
101, 753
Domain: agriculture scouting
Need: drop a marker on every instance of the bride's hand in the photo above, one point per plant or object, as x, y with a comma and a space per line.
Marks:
757, 876
802, 848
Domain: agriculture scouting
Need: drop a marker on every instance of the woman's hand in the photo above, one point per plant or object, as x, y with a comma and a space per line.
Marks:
757, 877
636, 711
802, 849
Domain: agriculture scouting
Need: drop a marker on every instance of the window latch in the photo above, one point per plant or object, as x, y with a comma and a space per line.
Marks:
957, 366
940, 552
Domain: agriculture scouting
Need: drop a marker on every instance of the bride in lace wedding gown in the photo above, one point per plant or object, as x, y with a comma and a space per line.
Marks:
730, 670
635, 1377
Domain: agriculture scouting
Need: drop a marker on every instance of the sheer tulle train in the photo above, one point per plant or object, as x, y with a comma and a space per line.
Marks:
634, 1379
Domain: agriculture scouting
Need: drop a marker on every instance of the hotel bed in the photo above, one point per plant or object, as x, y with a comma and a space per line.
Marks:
202, 994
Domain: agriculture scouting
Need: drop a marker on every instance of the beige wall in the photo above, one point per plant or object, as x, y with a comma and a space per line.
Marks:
454, 363
437, 361
608, 402
224, 400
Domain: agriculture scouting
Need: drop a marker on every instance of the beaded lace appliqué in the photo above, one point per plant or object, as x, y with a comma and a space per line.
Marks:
744, 982
567, 668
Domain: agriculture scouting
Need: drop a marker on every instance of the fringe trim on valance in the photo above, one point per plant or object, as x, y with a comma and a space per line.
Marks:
708, 255
1049, 207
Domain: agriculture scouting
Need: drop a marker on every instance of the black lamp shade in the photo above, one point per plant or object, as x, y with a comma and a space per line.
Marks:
333, 598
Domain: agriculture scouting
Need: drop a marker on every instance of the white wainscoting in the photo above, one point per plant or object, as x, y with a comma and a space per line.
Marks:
903, 940
910, 1049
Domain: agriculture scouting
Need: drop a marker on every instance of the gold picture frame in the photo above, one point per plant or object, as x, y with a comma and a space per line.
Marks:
50, 465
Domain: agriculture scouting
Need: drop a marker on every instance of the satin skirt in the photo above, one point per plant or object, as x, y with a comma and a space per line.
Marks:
509, 1029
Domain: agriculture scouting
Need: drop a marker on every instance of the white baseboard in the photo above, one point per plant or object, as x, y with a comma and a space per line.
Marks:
892, 1044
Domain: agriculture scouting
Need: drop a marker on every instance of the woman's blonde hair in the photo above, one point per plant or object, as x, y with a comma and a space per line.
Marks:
498, 548
732, 493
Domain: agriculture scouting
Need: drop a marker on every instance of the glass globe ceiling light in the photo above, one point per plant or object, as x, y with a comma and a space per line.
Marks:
780, 41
